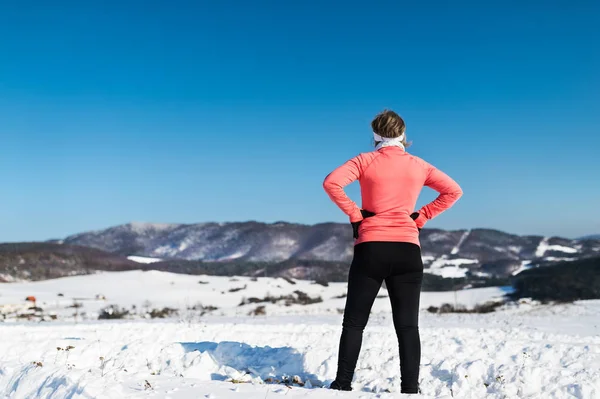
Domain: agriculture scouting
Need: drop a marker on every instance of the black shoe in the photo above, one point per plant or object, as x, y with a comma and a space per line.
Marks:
339, 387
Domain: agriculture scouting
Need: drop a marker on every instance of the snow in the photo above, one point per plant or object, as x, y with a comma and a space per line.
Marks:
460, 356
561, 248
448, 271
438, 237
543, 247
184, 245
142, 227
8, 278
235, 255
449, 268
456, 249
143, 259
165, 250
455, 262
428, 258
556, 259
330, 250
458, 262
525, 265
524, 350
283, 241
180, 291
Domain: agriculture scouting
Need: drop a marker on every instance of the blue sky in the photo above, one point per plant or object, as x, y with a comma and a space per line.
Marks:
230, 111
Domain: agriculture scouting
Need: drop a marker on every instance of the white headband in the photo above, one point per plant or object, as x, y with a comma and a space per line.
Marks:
385, 139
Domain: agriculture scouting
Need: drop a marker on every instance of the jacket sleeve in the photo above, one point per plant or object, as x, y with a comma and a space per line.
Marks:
338, 179
449, 191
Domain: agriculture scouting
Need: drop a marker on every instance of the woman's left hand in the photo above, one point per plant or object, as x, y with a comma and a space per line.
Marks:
356, 225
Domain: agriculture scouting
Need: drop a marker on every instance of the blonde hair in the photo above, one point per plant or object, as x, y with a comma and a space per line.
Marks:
389, 124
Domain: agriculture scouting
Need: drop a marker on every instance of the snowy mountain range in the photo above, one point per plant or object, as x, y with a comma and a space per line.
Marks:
481, 252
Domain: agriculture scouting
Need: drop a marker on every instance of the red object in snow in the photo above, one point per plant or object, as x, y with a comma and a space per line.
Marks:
30, 299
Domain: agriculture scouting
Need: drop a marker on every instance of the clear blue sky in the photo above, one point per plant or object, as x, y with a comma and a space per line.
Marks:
193, 111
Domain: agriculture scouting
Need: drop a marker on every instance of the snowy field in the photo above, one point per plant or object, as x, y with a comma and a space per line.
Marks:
521, 351
155, 290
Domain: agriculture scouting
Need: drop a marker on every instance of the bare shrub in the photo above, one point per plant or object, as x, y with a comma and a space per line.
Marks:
487, 307
259, 311
299, 298
163, 313
113, 312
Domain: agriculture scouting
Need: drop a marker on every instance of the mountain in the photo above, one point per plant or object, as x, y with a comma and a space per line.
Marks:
322, 252
591, 237
41, 261
576, 280
479, 252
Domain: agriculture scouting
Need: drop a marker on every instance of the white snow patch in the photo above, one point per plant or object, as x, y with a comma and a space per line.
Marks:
427, 259
558, 259
561, 248
141, 227
437, 237
525, 265
448, 271
285, 242
449, 268
184, 245
235, 255
460, 242
441, 262
165, 251
543, 247
143, 259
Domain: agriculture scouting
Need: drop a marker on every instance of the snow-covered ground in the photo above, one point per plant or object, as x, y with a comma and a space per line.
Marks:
450, 268
521, 351
155, 290
543, 247
143, 259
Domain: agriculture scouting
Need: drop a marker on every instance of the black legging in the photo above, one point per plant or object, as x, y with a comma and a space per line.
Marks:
401, 266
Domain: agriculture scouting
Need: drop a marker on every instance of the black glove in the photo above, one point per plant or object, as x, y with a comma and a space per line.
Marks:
356, 225
414, 216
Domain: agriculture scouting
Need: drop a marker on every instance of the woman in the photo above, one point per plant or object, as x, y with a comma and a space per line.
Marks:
387, 241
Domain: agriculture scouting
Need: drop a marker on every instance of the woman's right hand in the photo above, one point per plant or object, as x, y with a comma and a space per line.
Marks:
414, 216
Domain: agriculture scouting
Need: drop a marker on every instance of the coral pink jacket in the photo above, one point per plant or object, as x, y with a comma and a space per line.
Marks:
390, 183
